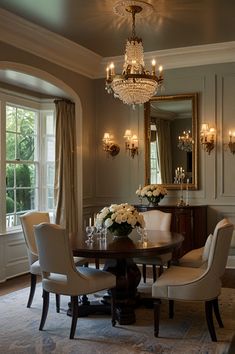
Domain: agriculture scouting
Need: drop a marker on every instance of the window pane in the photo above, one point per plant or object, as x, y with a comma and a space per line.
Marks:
50, 174
50, 149
25, 121
10, 175
10, 146
25, 175
10, 118
25, 147
25, 199
10, 201
50, 124
50, 199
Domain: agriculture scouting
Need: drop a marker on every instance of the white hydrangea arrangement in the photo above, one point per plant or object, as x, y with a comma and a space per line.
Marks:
119, 219
152, 192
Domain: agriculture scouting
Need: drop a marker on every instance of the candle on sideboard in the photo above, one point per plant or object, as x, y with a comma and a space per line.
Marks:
187, 199
90, 222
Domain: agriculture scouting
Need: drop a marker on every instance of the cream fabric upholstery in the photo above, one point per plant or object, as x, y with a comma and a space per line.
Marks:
206, 248
197, 284
28, 221
199, 256
59, 274
156, 220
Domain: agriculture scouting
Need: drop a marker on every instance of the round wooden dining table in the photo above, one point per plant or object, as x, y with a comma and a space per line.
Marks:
118, 254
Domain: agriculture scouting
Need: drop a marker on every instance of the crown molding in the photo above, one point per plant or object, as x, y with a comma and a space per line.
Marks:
182, 57
61, 51
48, 45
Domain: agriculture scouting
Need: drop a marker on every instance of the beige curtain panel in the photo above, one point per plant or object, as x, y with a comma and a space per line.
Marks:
66, 168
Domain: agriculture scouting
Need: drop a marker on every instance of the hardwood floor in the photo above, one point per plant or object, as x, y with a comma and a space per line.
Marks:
14, 284
23, 281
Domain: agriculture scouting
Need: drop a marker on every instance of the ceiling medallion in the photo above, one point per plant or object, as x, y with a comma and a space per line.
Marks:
135, 85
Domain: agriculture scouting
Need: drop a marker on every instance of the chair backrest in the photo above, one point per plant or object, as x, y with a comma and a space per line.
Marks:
219, 248
157, 220
220, 224
28, 220
54, 250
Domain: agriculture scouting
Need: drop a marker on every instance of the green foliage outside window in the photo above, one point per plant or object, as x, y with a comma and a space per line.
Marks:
20, 146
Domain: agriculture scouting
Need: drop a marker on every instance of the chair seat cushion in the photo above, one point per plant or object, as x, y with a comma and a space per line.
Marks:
89, 280
192, 258
35, 268
158, 260
175, 276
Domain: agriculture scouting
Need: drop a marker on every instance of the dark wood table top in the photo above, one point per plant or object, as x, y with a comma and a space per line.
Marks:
158, 242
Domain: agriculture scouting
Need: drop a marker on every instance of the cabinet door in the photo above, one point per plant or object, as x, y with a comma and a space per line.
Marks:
183, 221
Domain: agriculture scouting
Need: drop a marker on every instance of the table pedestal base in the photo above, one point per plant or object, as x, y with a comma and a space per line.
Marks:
128, 278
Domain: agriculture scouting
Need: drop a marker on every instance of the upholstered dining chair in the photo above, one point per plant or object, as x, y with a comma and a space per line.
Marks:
61, 276
198, 257
196, 284
155, 220
28, 220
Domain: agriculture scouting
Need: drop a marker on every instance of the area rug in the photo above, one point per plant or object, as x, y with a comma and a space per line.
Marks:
185, 334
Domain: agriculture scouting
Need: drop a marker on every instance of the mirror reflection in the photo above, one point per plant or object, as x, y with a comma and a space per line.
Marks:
171, 140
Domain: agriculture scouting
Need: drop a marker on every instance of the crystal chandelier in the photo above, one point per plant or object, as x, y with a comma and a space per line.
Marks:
135, 85
185, 141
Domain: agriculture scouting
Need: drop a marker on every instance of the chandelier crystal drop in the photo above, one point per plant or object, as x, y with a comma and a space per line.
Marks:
135, 85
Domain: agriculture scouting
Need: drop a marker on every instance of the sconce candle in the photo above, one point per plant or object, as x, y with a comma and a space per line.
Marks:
109, 146
207, 138
131, 143
231, 143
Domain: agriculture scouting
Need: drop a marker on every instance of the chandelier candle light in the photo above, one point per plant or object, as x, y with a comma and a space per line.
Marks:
185, 141
135, 85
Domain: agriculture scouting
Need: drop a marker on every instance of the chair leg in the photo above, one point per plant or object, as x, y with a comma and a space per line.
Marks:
74, 307
171, 308
144, 272
45, 307
215, 304
209, 319
156, 312
113, 306
57, 299
32, 289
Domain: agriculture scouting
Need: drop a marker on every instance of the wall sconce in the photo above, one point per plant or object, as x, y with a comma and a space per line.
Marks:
109, 146
231, 143
131, 143
207, 138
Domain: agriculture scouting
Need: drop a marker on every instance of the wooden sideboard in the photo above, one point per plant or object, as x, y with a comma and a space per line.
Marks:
190, 221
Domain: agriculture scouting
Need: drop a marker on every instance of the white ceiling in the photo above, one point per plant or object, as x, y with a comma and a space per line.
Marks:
94, 25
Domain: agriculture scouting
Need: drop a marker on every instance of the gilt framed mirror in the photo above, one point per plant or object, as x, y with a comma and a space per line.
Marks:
171, 147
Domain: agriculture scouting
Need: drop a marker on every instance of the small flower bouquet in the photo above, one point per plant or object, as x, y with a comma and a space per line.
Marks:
119, 219
152, 192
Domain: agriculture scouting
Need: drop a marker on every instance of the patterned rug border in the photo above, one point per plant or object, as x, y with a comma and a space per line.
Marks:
186, 333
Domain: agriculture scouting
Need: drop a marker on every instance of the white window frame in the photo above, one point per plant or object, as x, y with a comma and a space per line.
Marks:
27, 102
